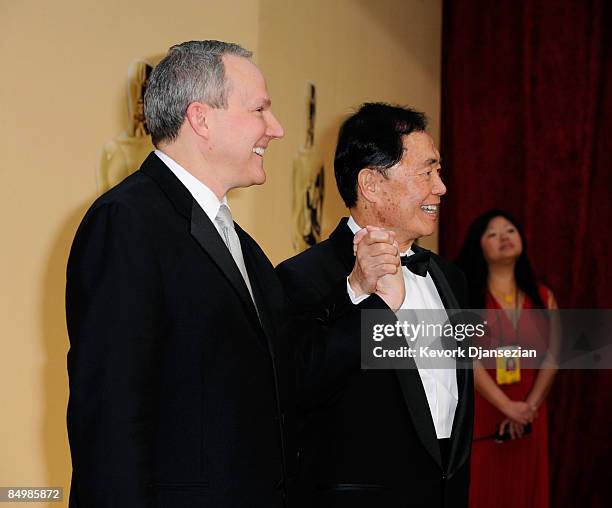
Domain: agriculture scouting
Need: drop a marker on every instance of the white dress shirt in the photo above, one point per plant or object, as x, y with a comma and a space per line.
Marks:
440, 385
206, 198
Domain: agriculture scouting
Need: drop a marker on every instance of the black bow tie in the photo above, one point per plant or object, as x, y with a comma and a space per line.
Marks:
418, 263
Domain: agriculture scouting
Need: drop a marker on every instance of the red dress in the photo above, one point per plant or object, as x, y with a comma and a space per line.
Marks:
513, 474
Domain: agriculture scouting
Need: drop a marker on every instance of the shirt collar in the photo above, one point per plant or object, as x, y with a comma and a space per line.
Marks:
356, 227
204, 196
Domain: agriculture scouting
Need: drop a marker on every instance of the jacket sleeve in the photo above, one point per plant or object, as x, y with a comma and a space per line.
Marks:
328, 342
114, 318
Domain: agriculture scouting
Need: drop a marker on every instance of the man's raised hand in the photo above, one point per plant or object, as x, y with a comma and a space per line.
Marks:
377, 266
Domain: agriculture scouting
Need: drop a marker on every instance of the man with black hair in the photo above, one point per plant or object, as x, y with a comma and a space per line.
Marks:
398, 437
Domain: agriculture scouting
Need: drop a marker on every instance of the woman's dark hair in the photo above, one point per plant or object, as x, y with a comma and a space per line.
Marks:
471, 260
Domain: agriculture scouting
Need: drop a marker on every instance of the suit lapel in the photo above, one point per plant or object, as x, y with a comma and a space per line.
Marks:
444, 290
205, 233
460, 449
418, 407
342, 240
257, 276
460, 438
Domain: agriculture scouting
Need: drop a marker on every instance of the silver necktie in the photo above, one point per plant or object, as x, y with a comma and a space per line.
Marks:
230, 237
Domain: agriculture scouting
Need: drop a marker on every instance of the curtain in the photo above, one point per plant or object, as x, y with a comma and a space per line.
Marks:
526, 127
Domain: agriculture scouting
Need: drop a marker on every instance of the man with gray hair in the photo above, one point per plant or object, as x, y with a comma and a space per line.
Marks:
179, 383
180, 365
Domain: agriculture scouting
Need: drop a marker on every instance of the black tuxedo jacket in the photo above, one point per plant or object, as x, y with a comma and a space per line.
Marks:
179, 389
373, 443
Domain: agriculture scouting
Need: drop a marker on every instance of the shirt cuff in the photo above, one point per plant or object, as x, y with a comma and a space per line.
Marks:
356, 300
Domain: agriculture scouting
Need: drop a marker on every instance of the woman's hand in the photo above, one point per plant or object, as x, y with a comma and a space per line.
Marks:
516, 430
519, 411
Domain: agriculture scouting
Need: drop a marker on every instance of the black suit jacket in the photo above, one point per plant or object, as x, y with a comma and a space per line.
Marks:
179, 390
373, 443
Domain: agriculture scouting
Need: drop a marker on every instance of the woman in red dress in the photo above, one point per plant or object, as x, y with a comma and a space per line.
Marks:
513, 473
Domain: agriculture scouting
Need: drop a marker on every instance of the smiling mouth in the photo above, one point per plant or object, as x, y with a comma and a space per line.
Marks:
432, 210
258, 150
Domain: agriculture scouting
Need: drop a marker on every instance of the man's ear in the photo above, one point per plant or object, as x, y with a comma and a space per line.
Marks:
368, 184
197, 116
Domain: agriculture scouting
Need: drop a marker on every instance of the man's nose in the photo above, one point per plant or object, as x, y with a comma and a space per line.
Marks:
275, 129
439, 189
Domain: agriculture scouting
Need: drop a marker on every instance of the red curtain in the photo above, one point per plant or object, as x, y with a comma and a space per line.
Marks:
527, 127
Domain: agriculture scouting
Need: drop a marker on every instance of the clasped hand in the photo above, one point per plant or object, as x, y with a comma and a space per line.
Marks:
378, 266
518, 413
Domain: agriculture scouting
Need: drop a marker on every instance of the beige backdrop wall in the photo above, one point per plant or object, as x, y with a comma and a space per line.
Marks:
354, 51
62, 96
